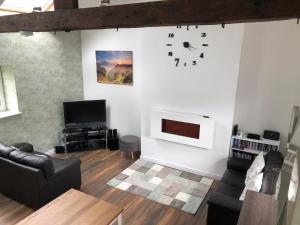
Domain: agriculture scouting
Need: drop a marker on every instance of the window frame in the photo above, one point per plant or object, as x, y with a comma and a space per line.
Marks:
2, 94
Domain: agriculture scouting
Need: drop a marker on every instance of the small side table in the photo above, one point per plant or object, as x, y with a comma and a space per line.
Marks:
129, 144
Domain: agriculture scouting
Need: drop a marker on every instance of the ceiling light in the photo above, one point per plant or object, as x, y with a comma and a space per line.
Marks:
26, 33
37, 9
104, 2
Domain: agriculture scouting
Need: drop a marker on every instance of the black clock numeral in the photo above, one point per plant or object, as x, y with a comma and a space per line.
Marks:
187, 27
203, 34
171, 35
177, 61
179, 26
205, 45
194, 63
202, 55
170, 53
196, 26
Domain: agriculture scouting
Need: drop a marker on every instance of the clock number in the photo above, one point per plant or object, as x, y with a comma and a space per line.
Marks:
202, 55
177, 61
179, 26
170, 53
194, 63
187, 27
203, 34
171, 35
196, 26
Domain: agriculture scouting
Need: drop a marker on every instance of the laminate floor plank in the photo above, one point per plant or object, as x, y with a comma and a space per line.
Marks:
97, 168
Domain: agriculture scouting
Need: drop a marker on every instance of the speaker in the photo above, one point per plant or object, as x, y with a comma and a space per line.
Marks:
59, 149
235, 130
110, 133
253, 136
115, 133
271, 135
113, 143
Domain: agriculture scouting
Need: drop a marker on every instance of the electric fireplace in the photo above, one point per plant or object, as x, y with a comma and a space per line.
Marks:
184, 128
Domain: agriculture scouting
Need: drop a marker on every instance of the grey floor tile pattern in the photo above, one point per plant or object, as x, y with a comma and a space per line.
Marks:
165, 185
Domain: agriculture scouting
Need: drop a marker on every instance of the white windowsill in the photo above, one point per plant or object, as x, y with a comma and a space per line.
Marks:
6, 114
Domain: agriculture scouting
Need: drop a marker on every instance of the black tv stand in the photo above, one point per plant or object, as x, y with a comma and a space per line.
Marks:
81, 137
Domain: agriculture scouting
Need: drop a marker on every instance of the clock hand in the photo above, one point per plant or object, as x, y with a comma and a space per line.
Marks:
193, 47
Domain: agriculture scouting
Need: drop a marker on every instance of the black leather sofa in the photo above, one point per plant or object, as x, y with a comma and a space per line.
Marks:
224, 205
33, 178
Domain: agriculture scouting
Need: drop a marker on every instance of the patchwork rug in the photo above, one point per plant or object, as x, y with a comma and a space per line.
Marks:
165, 185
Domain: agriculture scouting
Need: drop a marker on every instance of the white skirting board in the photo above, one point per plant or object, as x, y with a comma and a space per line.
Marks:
206, 134
183, 168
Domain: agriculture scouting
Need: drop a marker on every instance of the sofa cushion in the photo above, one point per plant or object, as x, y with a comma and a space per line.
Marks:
5, 150
241, 165
273, 160
234, 178
38, 161
23, 146
256, 168
253, 185
229, 190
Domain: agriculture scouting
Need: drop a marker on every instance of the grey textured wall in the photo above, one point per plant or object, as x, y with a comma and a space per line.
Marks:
48, 71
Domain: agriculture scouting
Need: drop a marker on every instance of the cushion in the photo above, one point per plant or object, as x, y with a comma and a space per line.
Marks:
38, 161
273, 160
234, 178
5, 150
256, 168
253, 185
229, 190
25, 147
239, 164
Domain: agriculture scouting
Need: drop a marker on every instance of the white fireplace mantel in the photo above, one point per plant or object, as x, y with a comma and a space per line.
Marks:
198, 130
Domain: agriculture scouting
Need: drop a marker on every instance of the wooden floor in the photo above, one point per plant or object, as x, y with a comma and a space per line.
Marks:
97, 168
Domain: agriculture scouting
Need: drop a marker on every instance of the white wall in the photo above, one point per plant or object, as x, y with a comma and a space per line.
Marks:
207, 89
269, 77
123, 101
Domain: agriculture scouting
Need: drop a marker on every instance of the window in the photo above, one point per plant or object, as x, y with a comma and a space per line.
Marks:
2, 96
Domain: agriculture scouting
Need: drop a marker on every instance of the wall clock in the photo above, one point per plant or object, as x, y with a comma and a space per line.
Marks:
195, 48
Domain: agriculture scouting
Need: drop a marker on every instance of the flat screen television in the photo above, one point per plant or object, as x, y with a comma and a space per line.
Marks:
85, 112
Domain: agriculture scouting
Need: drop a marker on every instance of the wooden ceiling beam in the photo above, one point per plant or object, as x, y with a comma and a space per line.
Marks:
153, 14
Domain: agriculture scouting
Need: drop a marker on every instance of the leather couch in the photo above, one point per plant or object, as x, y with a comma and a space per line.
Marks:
224, 205
33, 178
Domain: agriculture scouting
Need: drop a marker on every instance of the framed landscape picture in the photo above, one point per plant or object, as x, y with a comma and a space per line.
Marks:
115, 67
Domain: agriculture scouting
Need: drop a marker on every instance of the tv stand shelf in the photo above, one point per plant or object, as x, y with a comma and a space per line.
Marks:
88, 137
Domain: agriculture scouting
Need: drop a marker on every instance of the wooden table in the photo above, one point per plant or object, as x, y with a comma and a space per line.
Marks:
76, 208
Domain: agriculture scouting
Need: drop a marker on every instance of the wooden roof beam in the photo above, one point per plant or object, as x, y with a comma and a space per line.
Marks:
153, 14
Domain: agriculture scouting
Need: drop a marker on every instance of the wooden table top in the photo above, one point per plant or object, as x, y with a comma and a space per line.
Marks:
74, 208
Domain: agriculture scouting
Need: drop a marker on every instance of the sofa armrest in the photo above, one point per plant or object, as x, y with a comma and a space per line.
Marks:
223, 208
65, 165
67, 175
224, 201
241, 165
24, 147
